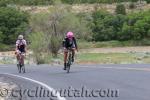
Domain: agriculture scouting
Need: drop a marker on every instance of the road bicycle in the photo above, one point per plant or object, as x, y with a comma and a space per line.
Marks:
20, 65
69, 60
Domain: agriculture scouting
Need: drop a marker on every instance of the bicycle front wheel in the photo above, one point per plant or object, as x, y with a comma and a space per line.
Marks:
68, 68
23, 69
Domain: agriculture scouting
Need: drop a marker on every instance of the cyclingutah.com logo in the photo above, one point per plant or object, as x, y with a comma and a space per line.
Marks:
70, 92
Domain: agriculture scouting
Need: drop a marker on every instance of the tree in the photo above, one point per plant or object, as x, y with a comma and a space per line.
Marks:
38, 45
55, 24
3, 3
126, 32
106, 26
13, 22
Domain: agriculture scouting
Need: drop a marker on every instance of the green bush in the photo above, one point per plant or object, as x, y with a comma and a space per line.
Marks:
50, 29
106, 27
4, 47
126, 33
120, 9
148, 1
3, 3
38, 45
13, 22
145, 42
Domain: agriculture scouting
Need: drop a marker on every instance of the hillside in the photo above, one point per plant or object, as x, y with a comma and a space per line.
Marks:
87, 7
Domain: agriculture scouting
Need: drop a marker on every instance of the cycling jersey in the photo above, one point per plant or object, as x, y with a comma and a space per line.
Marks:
21, 45
69, 42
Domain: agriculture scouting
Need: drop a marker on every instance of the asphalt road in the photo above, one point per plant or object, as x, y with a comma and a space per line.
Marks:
84, 82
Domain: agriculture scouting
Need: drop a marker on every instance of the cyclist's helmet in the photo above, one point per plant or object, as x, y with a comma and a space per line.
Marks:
20, 37
70, 35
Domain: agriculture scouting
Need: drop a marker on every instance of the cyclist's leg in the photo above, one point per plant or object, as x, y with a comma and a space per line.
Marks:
73, 53
22, 58
65, 57
17, 56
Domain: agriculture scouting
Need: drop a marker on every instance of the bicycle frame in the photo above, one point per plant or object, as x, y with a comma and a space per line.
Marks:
21, 58
69, 59
21, 63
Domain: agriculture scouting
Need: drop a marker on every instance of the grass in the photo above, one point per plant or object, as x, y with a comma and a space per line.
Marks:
104, 58
82, 44
4, 47
111, 58
85, 45
94, 58
99, 58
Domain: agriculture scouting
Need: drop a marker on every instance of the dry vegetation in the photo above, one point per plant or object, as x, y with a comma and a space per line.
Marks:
86, 7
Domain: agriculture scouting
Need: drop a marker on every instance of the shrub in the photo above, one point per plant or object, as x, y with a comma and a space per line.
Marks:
132, 5
120, 9
3, 3
13, 22
53, 26
134, 26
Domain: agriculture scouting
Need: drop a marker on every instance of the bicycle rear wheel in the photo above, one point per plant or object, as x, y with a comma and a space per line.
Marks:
23, 68
68, 68
69, 63
19, 68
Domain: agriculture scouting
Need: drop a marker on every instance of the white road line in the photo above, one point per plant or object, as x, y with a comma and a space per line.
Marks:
38, 82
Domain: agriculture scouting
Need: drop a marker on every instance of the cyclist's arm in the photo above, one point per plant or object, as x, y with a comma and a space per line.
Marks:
16, 45
25, 48
75, 42
25, 43
16, 48
65, 42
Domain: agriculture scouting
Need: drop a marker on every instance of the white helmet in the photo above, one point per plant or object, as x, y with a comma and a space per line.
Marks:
20, 37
